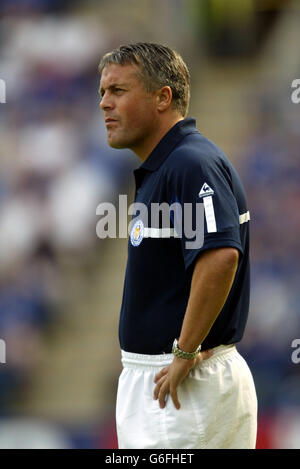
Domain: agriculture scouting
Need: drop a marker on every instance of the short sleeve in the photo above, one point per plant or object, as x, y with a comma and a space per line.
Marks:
205, 213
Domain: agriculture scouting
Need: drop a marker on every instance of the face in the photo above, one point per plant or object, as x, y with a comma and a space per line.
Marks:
129, 111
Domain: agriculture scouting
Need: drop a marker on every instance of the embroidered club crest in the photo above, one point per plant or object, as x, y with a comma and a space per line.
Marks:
137, 233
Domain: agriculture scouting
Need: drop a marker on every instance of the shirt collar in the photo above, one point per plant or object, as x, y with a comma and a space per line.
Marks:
168, 142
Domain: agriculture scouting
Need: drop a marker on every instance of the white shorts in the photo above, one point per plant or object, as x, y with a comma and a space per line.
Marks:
218, 404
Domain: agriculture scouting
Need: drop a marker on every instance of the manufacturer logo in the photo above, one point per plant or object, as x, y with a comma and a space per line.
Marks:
206, 190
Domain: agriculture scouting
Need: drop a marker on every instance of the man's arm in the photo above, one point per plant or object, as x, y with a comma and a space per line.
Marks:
212, 279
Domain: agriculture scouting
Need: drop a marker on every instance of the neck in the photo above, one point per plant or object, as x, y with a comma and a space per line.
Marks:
144, 149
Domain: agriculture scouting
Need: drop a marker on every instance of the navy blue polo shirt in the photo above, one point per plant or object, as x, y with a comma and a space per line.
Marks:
188, 170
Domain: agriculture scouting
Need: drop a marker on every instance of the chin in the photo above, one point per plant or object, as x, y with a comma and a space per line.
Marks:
117, 145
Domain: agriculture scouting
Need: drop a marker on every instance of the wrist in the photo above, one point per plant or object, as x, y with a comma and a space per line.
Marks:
178, 352
184, 364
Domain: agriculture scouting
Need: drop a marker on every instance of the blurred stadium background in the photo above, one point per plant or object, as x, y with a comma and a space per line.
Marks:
61, 286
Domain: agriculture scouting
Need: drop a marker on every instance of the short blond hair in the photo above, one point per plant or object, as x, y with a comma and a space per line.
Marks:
159, 66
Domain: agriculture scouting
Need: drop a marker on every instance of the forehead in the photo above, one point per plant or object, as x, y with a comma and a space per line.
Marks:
115, 73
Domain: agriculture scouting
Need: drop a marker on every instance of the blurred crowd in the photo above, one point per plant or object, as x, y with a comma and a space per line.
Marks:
55, 168
270, 169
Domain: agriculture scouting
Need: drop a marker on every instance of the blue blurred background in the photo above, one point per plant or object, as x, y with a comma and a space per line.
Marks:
60, 285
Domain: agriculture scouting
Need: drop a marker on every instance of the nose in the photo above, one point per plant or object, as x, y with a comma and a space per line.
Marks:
106, 102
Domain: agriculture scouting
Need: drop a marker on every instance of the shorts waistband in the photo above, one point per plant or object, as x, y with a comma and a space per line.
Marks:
138, 360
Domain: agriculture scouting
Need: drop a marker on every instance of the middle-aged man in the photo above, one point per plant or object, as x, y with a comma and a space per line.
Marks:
185, 304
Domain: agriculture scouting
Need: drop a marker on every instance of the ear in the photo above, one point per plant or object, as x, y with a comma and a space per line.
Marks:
164, 98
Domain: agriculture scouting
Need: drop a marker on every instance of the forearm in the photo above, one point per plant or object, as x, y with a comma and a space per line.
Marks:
211, 283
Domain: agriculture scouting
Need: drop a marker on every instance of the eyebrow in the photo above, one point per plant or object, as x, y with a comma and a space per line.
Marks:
112, 86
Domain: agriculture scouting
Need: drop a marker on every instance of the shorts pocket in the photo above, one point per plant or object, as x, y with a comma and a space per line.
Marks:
182, 427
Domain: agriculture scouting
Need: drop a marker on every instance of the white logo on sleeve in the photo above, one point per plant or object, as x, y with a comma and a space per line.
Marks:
206, 190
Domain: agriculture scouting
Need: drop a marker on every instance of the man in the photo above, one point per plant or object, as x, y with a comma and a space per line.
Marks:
183, 385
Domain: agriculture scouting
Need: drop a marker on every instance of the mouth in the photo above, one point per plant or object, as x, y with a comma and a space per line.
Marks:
109, 120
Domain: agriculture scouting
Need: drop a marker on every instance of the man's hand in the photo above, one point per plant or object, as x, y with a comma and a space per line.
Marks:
169, 378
